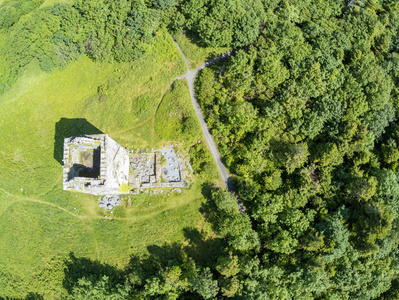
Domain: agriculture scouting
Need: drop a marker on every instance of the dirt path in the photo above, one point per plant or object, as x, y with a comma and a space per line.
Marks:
135, 218
190, 76
20, 198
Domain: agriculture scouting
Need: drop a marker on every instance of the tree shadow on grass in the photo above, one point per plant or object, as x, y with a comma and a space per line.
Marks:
30, 296
204, 251
81, 267
195, 39
34, 296
65, 128
144, 266
209, 208
206, 189
200, 248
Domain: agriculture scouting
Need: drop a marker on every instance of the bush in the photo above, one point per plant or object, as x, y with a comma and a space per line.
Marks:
164, 4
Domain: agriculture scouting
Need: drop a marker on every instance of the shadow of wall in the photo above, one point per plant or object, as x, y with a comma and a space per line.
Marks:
65, 128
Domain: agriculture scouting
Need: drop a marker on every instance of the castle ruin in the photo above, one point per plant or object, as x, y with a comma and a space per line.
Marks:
98, 165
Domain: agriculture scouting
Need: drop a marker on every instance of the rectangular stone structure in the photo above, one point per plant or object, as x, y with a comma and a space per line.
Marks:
95, 164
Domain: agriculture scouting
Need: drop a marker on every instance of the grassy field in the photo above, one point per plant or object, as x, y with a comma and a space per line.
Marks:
195, 54
175, 118
41, 224
51, 2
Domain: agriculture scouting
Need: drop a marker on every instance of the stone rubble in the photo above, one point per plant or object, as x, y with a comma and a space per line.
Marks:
110, 201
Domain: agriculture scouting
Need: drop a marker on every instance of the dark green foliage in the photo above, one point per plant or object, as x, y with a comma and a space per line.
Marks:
174, 20
224, 23
306, 118
164, 4
12, 10
104, 30
102, 289
201, 160
204, 284
171, 282
232, 224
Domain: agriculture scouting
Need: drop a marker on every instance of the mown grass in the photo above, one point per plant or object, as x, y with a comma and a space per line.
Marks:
40, 222
195, 53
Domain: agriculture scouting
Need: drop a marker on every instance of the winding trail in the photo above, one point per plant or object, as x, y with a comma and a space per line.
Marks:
190, 76
22, 198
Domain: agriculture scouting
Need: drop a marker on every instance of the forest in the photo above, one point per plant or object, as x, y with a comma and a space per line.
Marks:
305, 115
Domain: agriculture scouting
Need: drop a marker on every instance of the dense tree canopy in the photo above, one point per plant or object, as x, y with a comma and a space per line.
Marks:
224, 22
104, 30
113, 30
306, 117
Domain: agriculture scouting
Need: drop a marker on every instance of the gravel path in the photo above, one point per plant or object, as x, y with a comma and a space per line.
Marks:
190, 76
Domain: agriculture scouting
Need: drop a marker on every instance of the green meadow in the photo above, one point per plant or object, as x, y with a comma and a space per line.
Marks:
40, 223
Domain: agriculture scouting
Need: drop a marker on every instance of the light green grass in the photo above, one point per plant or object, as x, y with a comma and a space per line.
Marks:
195, 54
51, 2
40, 223
175, 117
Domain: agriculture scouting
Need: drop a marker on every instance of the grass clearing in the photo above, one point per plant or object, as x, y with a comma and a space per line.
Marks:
41, 224
195, 54
51, 2
175, 117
